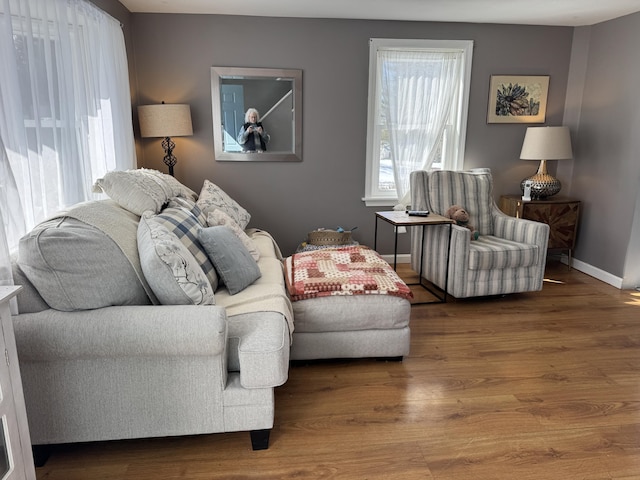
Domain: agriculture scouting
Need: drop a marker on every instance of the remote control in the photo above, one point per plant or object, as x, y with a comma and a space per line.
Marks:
418, 213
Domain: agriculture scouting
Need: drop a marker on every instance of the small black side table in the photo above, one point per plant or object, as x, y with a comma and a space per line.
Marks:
402, 219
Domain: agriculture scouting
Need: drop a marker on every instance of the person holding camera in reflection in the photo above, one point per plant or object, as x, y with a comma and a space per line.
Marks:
252, 136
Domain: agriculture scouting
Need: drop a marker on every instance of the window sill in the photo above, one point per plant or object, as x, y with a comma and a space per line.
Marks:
380, 202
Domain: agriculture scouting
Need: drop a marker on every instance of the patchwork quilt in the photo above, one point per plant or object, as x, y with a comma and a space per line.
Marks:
350, 270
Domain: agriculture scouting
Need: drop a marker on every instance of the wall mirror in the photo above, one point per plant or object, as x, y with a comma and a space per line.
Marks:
275, 93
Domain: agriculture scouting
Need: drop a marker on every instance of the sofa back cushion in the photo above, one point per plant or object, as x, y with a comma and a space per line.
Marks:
29, 300
76, 266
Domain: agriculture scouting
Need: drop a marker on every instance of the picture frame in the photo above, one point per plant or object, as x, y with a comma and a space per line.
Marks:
518, 98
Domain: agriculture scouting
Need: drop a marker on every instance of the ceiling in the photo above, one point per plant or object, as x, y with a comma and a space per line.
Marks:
524, 12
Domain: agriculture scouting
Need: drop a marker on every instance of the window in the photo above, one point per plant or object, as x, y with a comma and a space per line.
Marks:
418, 100
65, 109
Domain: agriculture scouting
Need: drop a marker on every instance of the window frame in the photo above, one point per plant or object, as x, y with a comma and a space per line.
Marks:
454, 150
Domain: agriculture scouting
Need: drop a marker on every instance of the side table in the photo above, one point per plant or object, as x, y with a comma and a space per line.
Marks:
402, 219
560, 213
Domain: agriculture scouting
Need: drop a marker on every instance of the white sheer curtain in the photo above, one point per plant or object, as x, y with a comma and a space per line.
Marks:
65, 109
418, 92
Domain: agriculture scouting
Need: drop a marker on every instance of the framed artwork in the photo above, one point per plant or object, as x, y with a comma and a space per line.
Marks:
518, 98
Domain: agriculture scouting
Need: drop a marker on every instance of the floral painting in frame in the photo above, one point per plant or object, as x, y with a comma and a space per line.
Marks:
518, 98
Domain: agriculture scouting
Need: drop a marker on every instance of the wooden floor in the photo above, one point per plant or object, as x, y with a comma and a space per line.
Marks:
529, 386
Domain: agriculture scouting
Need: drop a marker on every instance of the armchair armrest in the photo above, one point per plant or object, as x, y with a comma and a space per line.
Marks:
124, 331
520, 230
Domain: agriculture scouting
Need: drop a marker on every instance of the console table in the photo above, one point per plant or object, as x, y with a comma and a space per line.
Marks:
560, 213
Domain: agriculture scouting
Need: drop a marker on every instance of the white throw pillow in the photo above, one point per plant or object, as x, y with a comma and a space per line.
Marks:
218, 217
213, 197
179, 190
170, 269
141, 189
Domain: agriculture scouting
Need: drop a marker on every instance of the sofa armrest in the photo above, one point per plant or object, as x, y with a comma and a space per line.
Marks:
259, 349
145, 331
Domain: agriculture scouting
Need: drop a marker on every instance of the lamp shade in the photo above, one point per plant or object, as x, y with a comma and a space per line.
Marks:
546, 143
165, 120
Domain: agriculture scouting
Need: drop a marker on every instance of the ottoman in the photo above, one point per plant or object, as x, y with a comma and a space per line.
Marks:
347, 303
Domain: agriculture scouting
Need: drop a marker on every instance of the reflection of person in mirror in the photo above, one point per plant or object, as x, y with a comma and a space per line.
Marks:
253, 136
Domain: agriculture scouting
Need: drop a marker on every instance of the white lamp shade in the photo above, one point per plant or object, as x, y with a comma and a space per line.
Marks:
165, 120
546, 143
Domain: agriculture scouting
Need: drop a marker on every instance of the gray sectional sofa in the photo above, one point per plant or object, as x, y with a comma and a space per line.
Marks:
152, 313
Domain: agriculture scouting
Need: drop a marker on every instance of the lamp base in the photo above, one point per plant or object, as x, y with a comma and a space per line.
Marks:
169, 158
543, 185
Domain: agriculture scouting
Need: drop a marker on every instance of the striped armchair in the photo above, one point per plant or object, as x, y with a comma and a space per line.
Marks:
509, 255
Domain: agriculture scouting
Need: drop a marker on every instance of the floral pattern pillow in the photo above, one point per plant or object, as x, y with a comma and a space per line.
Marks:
213, 197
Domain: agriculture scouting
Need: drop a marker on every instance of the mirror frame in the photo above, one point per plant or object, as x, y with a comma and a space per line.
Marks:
220, 73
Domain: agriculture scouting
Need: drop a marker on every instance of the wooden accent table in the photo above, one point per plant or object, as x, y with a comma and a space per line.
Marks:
399, 218
560, 213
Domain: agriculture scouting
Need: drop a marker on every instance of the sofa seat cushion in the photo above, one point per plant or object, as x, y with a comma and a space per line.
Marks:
489, 252
76, 266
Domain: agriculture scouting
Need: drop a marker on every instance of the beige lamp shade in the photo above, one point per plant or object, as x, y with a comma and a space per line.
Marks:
546, 143
165, 120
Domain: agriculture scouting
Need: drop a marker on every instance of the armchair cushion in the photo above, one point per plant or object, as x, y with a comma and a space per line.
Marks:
490, 252
462, 186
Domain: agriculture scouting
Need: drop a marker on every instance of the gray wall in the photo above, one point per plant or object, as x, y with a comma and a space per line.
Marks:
173, 55
606, 170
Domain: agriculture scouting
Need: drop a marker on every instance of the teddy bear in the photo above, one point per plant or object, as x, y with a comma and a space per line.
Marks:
461, 216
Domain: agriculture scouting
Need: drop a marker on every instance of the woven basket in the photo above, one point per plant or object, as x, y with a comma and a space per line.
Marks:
329, 237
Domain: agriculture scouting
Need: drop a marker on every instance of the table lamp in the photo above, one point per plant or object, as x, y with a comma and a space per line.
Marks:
545, 143
165, 120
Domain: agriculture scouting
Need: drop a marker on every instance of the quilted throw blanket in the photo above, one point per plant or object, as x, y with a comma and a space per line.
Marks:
352, 270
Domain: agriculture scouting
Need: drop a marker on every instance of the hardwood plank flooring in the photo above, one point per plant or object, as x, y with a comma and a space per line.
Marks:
537, 386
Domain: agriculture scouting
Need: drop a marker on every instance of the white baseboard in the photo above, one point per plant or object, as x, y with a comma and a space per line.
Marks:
402, 258
594, 272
